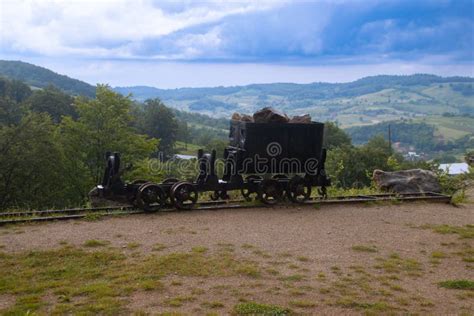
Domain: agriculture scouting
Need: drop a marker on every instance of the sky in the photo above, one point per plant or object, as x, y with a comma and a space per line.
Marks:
171, 44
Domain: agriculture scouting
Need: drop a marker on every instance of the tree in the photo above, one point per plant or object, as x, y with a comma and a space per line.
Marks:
103, 125
51, 100
334, 136
32, 165
158, 121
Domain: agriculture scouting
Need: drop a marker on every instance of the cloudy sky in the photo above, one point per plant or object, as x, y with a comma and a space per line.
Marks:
171, 44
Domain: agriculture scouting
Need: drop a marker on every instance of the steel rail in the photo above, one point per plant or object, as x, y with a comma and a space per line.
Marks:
215, 205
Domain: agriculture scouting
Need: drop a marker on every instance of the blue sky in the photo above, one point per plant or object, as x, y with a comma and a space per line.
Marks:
195, 43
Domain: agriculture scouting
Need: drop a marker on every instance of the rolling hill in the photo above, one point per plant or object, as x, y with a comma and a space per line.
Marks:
40, 77
366, 101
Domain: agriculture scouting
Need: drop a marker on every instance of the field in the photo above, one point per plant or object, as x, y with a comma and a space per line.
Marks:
367, 259
451, 128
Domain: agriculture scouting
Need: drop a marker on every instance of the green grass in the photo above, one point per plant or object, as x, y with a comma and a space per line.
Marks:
364, 248
74, 280
252, 308
293, 278
302, 304
349, 302
457, 284
466, 231
92, 243
191, 149
395, 264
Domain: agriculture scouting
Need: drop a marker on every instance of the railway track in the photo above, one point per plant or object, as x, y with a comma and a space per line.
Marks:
80, 213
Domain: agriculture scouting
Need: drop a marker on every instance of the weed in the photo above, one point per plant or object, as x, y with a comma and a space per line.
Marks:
303, 259
214, 304
158, 247
302, 304
363, 248
200, 249
133, 245
92, 217
466, 231
457, 284
95, 243
438, 255
293, 278
252, 308
179, 301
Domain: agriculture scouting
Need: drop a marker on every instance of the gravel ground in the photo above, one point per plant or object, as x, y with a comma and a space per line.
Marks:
322, 238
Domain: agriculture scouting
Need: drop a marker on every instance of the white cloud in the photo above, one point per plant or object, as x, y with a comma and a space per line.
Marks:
105, 28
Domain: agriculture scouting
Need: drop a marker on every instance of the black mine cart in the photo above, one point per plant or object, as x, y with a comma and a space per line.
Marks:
270, 161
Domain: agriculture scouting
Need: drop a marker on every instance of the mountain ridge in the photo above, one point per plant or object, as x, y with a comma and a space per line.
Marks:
368, 100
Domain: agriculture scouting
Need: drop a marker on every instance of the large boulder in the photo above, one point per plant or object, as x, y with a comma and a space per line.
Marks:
269, 115
407, 181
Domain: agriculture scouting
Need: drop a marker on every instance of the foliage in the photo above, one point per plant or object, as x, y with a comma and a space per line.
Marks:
32, 165
158, 121
51, 100
350, 166
103, 125
334, 136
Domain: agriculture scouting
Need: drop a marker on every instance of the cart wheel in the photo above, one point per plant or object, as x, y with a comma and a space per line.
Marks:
298, 190
139, 181
270, 191
183, 195
170, 181
150, 197
215, 195
323, 192
246, 193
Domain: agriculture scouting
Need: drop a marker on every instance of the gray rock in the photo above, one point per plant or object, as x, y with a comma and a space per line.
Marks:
269, 115
407, 181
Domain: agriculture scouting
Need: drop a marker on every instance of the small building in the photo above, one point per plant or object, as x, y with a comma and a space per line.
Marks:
454, 168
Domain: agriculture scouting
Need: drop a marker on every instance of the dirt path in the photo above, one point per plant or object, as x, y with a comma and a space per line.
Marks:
336, 259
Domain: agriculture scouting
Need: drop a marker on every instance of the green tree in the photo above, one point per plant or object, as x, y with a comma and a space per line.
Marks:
32, 165
53, 101
103, 124
334, 136
158, 121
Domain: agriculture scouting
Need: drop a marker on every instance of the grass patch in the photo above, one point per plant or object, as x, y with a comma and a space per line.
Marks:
158, 247
213, 305
252, 308
364, 248
302, 304
466, 231
92, 243
395, 264
349, 302
198, 264
74, 280
179, 301
293, 278
438, 255
457, 284
133, 245
303, 259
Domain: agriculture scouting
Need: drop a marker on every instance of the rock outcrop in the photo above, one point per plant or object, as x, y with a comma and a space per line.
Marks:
407, 181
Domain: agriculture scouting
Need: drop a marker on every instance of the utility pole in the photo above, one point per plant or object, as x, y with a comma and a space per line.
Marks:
389, 139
